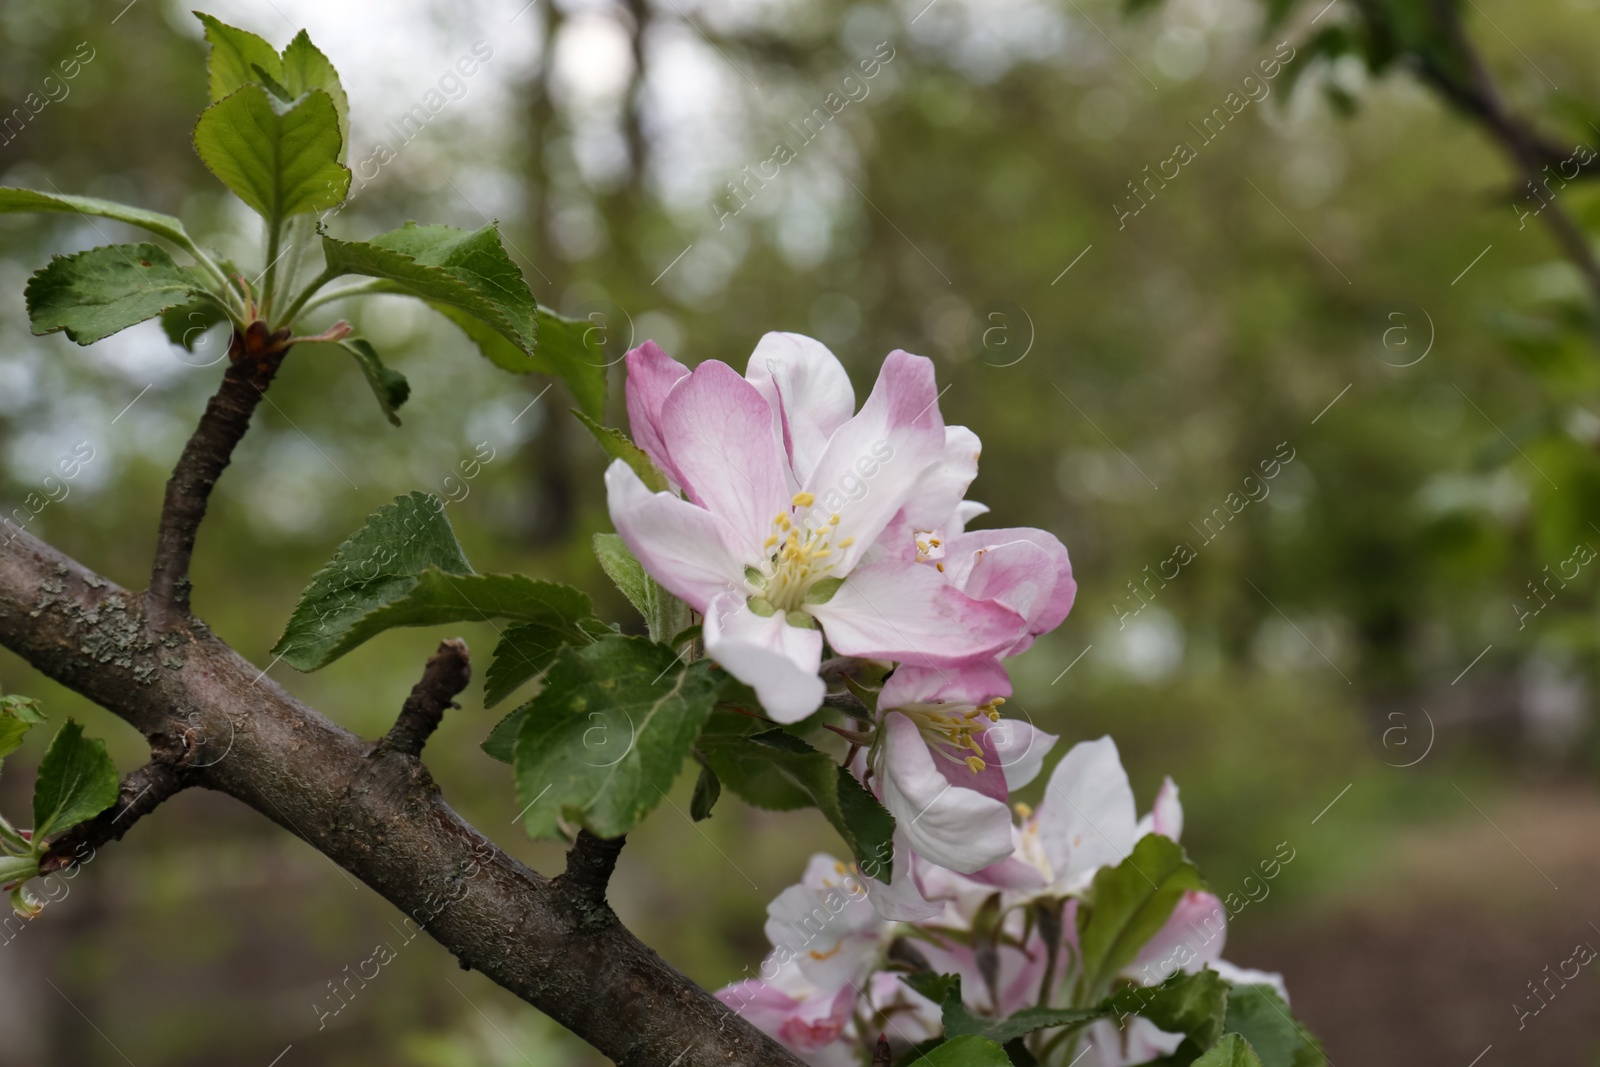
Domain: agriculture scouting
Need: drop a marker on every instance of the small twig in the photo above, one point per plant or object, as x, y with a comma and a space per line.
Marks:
446, 675
256, 356
848, 703
142, 792
856, 738
1528, 151
590, 862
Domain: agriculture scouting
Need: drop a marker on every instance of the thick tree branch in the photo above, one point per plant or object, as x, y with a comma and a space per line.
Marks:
142, 792
255, 356
376, 814
447, 674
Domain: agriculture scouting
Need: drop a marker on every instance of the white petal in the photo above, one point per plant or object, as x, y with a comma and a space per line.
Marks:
681, 545
938, 492
809, 392
1087, 818
1247, 976
901, 899
966, 511
872, 463
1021, 748
775, 659
956, 828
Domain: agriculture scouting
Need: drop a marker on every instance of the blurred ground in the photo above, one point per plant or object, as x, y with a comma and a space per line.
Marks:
1425, 955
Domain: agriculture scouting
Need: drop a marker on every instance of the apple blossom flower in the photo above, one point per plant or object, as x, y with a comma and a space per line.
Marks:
826, 941
811, 1021
943, 762
827, 924
775, 570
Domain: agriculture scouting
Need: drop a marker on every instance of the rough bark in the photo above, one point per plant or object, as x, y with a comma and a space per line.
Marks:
373, 810
254, 355
447, 674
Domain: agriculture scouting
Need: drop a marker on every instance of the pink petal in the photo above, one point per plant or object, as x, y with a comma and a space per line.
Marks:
1011, 873
718, 432
1024, 568
908, 612
871, 464
686, 548
1061, 591
651, 375
778, 661
990, 782
808, 390
974, 683
952, 827
1191, 938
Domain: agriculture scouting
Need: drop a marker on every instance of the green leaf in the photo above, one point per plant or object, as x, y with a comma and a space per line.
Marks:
1193, 1004
707, 788
17, 200
17, 868
604, 739
77, 781
615, 444
94, 294
570, 349
525, 651
404, 567
187, 323
945, 990
502, 740
1128, 904
969, 1051
1231, 1051
779, 771
1257, 1013
566, 350
468, 271
390, 387
305, 68
235, 54
18, 715
281, 159
239, 58
664, 614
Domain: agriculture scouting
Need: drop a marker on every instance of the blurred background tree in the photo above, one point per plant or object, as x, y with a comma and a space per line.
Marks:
1384, 654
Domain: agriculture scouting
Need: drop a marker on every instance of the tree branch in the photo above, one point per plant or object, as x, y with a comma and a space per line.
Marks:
255, 356
590, 862
1528, 151
376, 814
142, 792
447, 674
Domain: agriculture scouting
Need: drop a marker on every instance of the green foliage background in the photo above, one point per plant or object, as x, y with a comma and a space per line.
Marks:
1120, 402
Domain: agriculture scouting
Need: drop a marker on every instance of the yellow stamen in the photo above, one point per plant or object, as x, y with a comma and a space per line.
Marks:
975, 763
804, 500
1022, 810
770, 541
